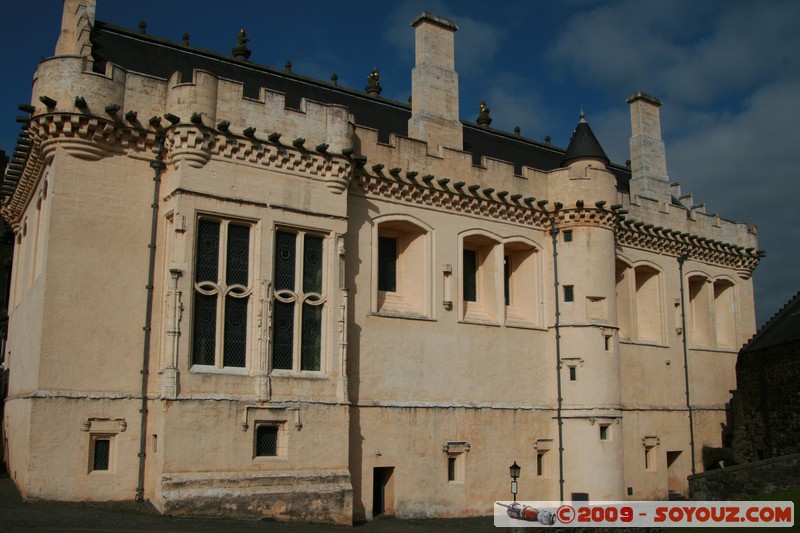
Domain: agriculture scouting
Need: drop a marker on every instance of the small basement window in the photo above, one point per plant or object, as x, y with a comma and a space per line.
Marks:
266, 441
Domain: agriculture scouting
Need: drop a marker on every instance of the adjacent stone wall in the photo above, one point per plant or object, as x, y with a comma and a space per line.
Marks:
743, 481
768, 402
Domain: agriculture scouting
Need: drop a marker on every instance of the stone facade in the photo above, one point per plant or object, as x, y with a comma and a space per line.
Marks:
766, 402
252, 307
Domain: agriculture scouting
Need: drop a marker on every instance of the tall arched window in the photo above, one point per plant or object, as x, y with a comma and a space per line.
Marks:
300, 297
700, 310
223, 285
480, 259
649, 306
520, 283
401, 265
725, 314
640, 303
500, 280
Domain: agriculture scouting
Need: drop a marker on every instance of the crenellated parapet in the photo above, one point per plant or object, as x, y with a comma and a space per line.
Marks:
93, 115
675, 230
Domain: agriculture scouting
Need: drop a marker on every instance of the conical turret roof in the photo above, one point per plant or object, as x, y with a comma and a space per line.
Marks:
584, 145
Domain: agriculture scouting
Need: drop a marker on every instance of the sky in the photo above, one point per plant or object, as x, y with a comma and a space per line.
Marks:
727, 73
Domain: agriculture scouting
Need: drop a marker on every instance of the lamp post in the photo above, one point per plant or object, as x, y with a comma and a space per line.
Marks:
514, 470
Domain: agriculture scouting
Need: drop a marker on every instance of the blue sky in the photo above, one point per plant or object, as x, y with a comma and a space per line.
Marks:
727, 72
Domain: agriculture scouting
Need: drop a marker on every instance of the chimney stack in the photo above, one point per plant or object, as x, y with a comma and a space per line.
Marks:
77, 20
434, 85
649, 178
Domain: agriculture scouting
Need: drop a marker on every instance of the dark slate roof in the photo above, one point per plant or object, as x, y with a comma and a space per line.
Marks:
783, 328
145, 54
584, 145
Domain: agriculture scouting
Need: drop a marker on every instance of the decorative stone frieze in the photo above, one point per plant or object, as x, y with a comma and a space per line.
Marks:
335, 171
673, 242
446, 199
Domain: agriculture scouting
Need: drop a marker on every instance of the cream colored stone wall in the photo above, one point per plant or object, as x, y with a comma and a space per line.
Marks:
408, 378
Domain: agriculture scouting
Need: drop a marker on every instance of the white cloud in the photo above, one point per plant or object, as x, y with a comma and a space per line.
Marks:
477, 41
722, 48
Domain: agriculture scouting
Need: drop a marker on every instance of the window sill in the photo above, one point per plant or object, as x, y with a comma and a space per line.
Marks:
305, 374
712, 349
643, 343
228, 371
479, 322
404, 315
270, 459
522, 324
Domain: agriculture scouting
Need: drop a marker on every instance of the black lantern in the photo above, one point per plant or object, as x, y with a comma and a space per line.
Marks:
514, 470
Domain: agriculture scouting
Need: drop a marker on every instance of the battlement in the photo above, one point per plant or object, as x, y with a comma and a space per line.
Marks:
406, 155
66, 84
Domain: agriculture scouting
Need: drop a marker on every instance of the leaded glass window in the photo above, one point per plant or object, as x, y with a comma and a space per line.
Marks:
267, 441
299, 299
102, 454
222, 292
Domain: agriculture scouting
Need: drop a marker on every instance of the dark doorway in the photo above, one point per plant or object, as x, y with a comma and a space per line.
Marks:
382, 491
675, 475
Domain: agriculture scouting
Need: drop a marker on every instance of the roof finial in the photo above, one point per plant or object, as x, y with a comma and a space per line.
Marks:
373, 87
484, 119
241, 52
583, 116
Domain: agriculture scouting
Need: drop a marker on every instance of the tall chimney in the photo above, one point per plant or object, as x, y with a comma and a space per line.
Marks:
434, 85
649, 178
77, 20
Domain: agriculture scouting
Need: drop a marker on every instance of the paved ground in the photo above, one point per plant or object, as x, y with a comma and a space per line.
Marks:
18, 515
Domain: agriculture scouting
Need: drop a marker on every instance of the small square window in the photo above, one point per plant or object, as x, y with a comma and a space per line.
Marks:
266, 441
607, 340
605, 432
568, 235
569, 293
573, 373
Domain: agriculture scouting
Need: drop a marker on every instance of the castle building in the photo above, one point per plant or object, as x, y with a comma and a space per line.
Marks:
240, 291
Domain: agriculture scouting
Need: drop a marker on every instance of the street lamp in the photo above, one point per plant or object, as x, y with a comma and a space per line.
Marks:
514, 469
